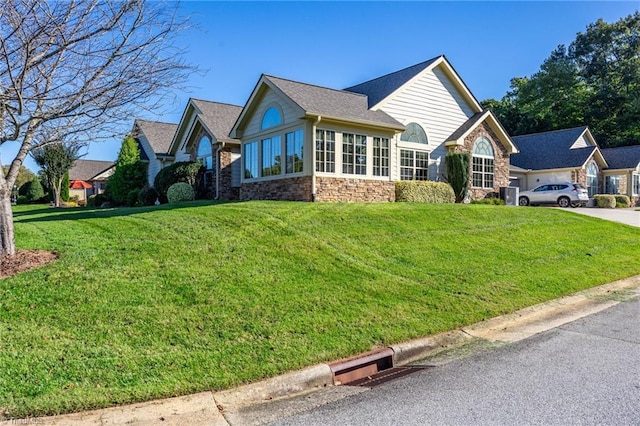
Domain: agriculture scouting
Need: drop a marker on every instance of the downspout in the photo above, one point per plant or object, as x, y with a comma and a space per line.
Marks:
313, 158
220, 146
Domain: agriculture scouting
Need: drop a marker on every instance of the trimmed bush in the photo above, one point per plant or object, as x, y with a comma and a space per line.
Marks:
22, 199
622, 201
605, 201
415, 191
147, 197
91, 202
180, 191
490, 200
132, 197
187, 171
458, 173
100, 199
33, 191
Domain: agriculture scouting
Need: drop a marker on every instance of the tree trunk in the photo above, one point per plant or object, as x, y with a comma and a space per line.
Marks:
7, 241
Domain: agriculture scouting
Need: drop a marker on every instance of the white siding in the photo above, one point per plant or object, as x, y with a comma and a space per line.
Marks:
270, 98
433, 102
582, 142
154, 167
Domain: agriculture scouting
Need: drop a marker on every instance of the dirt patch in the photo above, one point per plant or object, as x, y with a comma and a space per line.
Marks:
25, 260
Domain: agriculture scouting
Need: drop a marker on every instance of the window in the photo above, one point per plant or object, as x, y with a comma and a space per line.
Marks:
354, 154
294, 145
592, 179
482, 163
271, 118
271, 156
414, 133
251, 160
325, 151
380, 156
636, 184
612, 184
414, 165
204, 153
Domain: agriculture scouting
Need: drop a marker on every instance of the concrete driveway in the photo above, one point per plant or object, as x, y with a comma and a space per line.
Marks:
626, 216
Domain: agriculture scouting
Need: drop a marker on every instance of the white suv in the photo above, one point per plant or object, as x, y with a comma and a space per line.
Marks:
564, 194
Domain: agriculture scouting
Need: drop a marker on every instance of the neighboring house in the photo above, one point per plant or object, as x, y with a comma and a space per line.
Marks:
93, 172
623, 174
305, 142
154, 139
203, 135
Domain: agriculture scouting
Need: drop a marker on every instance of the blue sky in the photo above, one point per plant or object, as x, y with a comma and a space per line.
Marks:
339, 44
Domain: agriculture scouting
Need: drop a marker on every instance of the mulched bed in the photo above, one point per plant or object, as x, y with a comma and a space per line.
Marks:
25, 260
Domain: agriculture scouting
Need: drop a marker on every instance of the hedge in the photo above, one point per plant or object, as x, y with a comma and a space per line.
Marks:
415, 191
622, 201
180, 191
605, 201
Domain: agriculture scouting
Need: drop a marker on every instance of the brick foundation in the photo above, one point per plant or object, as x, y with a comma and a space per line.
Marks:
354, 190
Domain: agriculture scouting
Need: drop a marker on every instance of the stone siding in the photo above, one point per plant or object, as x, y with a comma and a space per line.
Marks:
354, 190
287, 189
500, 161
227, 191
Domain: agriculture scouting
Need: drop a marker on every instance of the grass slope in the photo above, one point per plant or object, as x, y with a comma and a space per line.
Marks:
155, 302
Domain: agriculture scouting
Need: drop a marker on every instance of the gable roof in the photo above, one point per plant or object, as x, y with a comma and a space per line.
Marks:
217, 117
457, 137
318, 101
624, 157
89, 169
381, 88
158, 134
552, 150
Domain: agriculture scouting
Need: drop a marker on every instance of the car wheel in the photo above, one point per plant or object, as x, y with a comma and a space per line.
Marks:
564, 202
523, 201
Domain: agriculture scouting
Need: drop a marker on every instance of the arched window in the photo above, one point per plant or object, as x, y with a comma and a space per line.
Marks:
414, 133
204, 153
592, 179
482, 163
271, 118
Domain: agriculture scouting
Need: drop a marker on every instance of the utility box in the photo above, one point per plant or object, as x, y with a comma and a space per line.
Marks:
510, 195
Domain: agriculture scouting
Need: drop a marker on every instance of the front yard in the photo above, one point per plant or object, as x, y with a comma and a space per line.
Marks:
155, 302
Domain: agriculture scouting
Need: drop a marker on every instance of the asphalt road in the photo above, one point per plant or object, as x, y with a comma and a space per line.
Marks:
584, 373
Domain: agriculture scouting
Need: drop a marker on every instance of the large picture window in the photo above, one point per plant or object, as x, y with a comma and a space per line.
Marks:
271, 156
592, 179
294, 147
380, 156
414, 165
251, 160
482, 159
612, 184
325, 151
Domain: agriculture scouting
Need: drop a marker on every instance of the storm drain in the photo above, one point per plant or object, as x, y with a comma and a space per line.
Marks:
387, 375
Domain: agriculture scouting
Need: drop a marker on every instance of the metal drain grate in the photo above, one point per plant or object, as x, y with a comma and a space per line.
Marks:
387, 375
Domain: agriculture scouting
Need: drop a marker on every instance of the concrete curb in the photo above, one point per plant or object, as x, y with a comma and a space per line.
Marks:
208, 408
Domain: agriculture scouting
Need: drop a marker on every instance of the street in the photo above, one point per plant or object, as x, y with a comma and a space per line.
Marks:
585, 372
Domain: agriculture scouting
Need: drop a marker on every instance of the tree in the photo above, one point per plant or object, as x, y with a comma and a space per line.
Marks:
130, 173
78, 71
24, 175
458, 164
55, 161
594, 82
33, 191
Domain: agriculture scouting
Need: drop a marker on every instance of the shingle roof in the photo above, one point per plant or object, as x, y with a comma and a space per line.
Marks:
219, 118
381, 87
551, 150
333, 103
158, 134
467, 125
624, 157
89, 169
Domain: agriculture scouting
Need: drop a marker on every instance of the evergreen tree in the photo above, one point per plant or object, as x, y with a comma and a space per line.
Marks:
130, 173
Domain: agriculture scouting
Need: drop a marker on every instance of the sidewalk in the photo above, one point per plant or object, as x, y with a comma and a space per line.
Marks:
260, 402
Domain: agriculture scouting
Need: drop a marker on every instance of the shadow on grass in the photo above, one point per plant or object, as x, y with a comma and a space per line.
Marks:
54, 214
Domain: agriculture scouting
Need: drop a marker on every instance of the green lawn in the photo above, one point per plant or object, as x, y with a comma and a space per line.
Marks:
162, 301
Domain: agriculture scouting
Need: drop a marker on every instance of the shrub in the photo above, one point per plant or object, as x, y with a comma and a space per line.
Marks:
33, 191
180, 191
22, 199
91, 201
74, 198
605, 201
132, 197
622, 201
188, 172
458, 173
490, 200
100, 199
424, 192
147, 196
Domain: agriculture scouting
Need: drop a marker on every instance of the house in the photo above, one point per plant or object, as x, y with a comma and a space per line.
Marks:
304, 142
203, 135
623, 174
154, 139
573, 155
94, 173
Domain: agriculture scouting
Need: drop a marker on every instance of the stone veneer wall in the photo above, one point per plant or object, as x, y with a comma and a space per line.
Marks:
288, 189
500, 161
227, 191
354, 190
